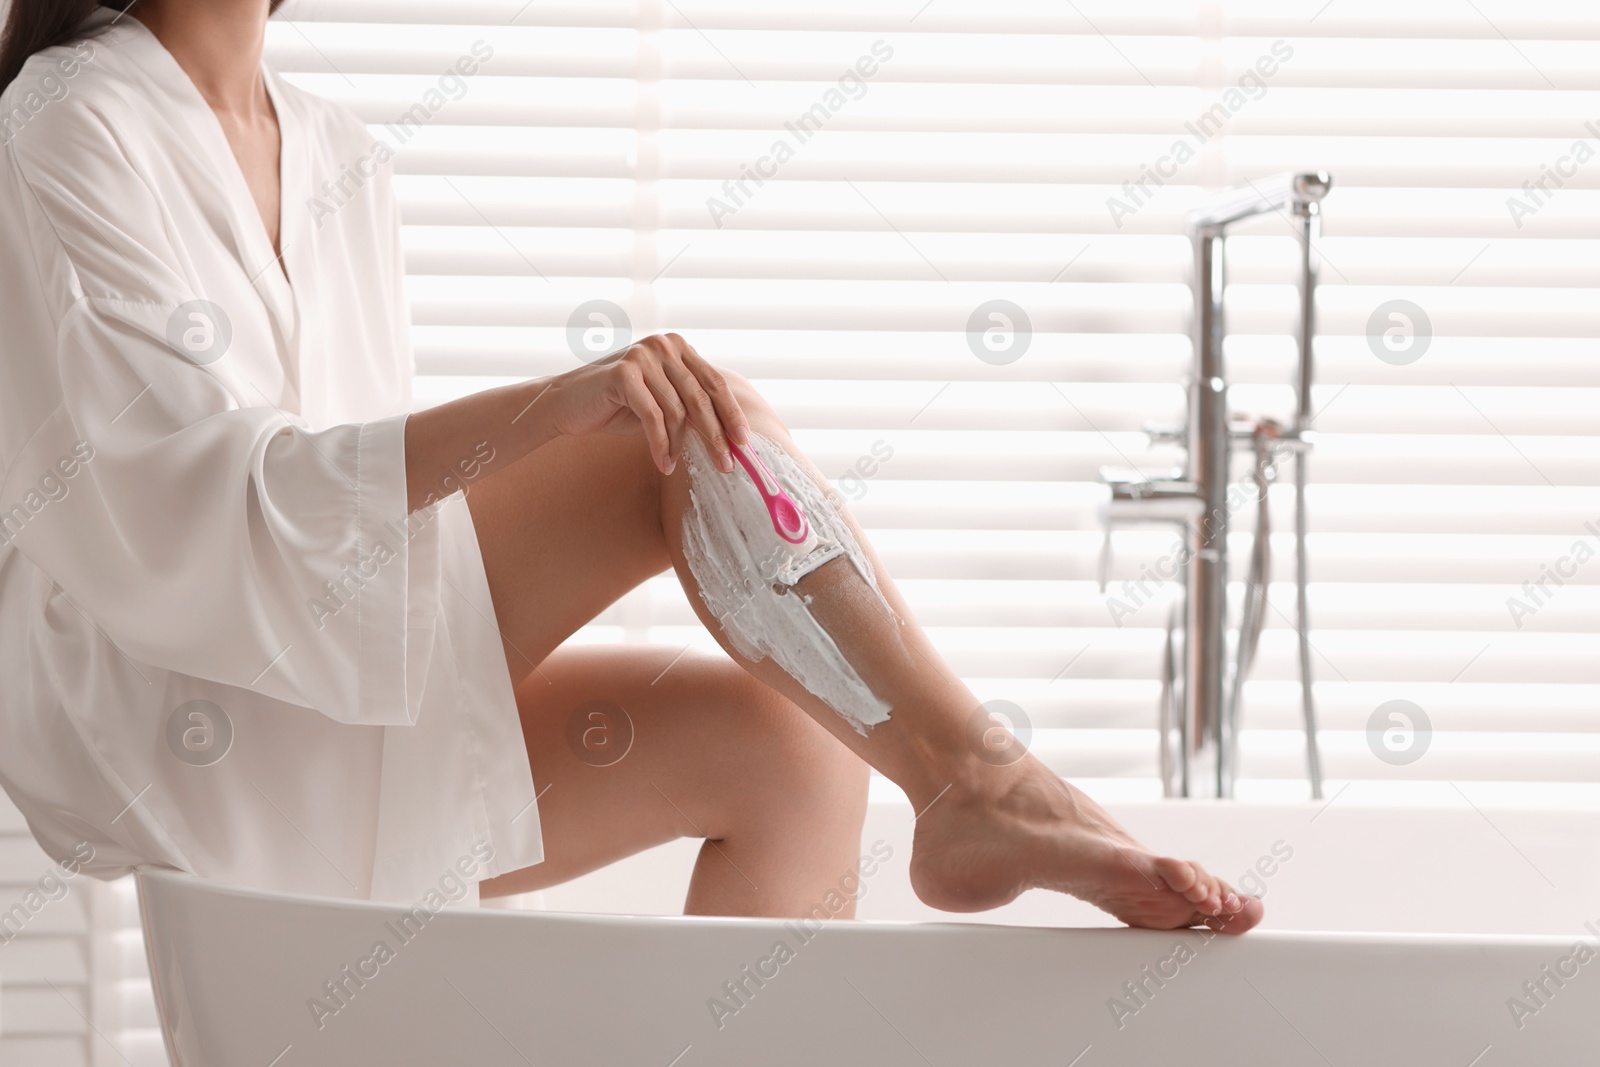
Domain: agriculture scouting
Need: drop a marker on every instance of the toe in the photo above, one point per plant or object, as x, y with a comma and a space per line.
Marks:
1248, 915
1204, 890
1182, 877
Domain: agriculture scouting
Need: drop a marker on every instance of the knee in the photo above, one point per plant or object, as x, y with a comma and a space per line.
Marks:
802, 767
763, 418
825, 779
825, 769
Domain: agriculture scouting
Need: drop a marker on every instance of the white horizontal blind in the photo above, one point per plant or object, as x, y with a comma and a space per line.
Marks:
586, 160
38, 946
960, 152
74, 986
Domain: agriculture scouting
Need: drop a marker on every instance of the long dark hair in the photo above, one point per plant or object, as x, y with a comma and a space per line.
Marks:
34, 25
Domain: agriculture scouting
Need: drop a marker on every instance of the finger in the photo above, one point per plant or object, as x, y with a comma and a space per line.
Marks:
643, 404
700, 412
715, 383
674, 415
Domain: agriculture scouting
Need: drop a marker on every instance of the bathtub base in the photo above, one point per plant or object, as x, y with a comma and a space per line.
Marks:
238, 972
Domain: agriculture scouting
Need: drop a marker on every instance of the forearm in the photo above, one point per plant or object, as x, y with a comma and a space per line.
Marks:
660, 388
451, 444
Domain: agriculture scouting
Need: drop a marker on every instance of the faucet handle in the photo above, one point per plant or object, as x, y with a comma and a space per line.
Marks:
1119, 483
1133, 497
1102, 569
1164, 435
1112, 478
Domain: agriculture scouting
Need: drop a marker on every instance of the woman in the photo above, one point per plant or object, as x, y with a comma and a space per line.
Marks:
259, 624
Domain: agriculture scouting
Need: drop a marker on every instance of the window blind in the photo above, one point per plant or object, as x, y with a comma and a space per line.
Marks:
823, 198
940, 155
65, 943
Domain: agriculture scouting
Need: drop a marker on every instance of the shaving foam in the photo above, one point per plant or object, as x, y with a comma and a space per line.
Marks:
746, 572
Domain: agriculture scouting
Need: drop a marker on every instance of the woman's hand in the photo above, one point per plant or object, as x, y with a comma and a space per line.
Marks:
659, 387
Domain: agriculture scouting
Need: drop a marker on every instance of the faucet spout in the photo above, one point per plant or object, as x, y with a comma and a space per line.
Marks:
1203, 691
1133, 499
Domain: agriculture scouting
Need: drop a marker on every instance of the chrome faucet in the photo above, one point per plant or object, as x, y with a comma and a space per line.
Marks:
1201, 683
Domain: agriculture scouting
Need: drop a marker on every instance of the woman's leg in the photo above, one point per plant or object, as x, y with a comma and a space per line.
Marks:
715, 753
984, 832
705, 751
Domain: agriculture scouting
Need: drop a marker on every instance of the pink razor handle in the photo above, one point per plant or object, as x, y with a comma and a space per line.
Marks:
787, 518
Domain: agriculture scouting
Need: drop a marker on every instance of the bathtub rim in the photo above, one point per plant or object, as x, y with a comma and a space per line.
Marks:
170, 879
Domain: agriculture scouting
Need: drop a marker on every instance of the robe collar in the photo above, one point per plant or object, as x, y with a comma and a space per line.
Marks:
269, 275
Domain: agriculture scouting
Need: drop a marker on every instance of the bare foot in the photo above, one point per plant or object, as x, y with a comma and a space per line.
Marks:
978, 849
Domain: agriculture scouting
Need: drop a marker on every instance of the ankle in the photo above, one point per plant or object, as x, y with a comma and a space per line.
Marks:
944, 764
967, 783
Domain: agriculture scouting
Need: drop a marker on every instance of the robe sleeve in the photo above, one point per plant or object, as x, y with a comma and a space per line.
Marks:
204, 531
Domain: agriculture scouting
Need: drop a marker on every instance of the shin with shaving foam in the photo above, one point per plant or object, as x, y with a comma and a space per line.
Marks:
748, 575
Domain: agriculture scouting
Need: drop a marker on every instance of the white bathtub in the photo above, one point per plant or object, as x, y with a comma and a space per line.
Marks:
1393, 936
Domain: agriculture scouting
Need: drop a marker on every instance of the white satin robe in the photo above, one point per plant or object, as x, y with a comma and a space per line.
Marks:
171, 510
